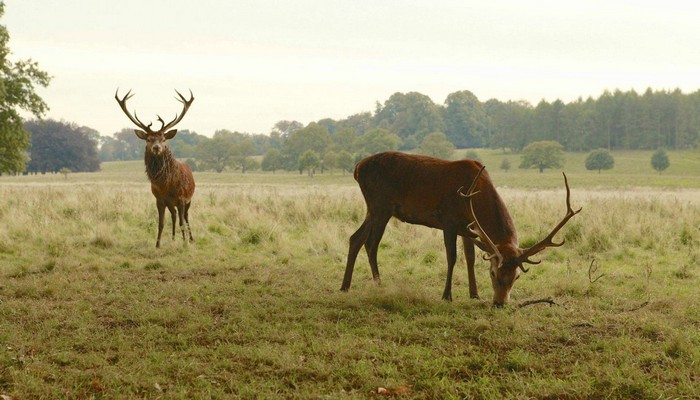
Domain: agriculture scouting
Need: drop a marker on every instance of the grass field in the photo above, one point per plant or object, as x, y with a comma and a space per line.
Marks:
90, 309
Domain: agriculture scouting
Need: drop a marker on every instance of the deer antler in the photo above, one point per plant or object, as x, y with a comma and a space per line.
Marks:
547, 241
134, 118
186, 105
475, 227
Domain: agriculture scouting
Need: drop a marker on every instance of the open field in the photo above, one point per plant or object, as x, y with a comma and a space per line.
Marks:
90, 309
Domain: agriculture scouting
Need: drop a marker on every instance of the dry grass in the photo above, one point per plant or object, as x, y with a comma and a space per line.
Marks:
90, 309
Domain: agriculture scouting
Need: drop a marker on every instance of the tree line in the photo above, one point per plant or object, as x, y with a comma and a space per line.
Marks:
410, 121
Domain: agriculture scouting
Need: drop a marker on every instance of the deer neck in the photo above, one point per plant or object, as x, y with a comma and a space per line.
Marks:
160, 167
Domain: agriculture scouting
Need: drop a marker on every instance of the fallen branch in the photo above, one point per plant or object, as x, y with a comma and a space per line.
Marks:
644, 304
548, 300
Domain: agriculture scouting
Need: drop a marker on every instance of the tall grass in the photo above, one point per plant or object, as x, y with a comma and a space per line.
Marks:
90, 309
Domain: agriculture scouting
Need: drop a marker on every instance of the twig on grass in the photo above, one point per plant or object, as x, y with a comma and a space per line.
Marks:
547, 300
644, 304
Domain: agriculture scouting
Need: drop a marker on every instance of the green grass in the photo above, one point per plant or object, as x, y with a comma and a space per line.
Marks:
90, 309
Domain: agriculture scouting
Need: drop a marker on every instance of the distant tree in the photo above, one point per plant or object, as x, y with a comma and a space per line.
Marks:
215, 154
472, 155
465, 120
242, 151
541, 155
65, 171
57, 145
309, 161
286, 128
272, 160
329, 160
345, 161
377, 140
660, 161
599, 159
313, 137
505, 165
436, 145
411, 115
18, 81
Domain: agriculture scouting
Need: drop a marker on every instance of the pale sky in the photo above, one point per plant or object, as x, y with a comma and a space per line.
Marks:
253, 63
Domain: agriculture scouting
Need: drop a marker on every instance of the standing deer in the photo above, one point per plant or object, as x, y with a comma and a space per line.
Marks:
172, 183
428, 191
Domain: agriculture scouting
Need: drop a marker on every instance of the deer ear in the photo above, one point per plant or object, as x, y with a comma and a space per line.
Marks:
141, 134
170, 134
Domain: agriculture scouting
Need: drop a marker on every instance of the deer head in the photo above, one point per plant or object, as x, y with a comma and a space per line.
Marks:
155, 140
507, 259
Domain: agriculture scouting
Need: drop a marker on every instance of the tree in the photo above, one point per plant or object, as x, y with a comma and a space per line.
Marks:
410, 116
505, 164
57, 145
543, 154
599, 159
436, 145
659, 160
472, 155
17, 92
377, 140
313, 137
241, 153
330, 160
345, 161
465, 119
216, 154
272, 160
309, 161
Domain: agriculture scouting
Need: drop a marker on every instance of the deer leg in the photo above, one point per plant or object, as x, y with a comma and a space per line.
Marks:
187, 220
161, 216
357, 240
181, 218
470, 255
172, 217
450, 237
376, 232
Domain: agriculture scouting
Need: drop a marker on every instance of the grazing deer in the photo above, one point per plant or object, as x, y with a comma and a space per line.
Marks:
172, 183
428, 191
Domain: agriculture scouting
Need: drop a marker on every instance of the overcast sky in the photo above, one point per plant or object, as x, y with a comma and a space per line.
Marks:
253, 63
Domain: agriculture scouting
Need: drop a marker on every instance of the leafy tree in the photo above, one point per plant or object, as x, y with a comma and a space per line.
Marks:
272, 160
309, 160
377, 140
65, 171
286, 128
505, 165
436, 145
329, 160
17, 92
411, 115
472, 155
465, 120
215, 154
313, 137
659, 160
344, 139
542, 154
345, 161
242, 152
599, 159
57, 145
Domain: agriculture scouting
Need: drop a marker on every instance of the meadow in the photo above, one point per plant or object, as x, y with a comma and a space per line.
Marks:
89, 308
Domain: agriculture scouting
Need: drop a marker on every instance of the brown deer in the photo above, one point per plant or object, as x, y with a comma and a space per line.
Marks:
428, 191
172, 183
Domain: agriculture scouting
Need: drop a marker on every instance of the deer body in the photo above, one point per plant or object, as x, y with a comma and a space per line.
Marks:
424, 190
172, 183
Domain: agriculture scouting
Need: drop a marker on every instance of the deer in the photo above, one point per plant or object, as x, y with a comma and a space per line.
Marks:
430, 192
172, 183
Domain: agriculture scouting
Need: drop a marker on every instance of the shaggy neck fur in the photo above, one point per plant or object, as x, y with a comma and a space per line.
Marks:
160, 168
